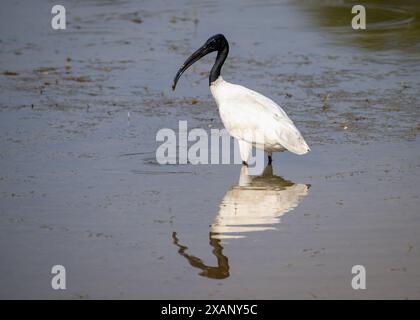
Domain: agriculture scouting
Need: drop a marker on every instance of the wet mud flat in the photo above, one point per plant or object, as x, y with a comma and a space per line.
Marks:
80, 185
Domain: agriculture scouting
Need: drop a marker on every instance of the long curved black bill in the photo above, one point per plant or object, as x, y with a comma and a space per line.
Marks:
193, 58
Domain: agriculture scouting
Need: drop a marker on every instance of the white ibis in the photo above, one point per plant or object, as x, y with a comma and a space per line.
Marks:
253, 119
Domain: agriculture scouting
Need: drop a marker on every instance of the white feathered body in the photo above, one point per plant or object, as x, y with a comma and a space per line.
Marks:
255, 120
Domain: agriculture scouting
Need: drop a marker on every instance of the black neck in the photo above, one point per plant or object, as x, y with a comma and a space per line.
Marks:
220, 59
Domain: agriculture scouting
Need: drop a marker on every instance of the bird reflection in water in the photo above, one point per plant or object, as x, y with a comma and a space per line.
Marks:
255, 204
221, 271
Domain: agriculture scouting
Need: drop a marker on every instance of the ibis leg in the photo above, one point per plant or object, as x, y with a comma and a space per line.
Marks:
245, 149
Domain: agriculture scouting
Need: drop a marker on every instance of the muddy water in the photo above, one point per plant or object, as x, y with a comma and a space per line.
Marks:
80, 185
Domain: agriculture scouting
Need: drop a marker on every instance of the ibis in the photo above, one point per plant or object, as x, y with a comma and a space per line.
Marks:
250, 117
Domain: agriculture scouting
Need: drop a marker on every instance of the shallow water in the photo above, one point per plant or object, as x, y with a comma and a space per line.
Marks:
80, 185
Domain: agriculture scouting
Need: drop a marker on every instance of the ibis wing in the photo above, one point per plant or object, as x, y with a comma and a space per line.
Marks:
267, 121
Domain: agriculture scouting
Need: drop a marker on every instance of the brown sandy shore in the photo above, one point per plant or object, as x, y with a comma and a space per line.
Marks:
80, 185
